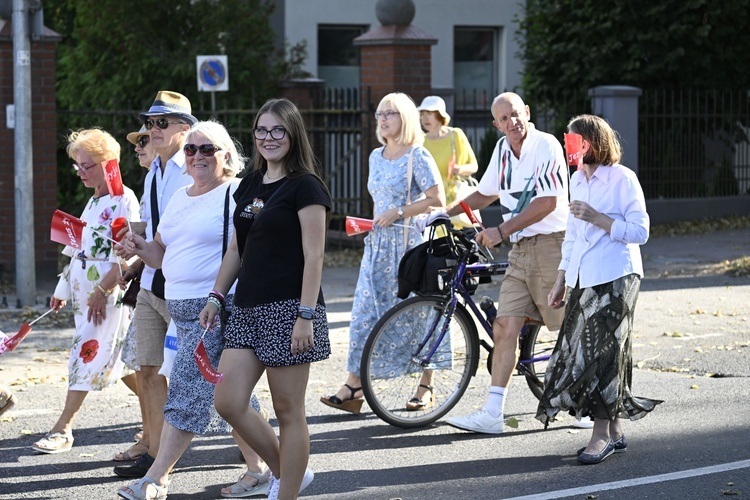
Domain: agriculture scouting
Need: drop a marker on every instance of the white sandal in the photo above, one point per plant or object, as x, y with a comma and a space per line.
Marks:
144, 489
242, 490
54, 442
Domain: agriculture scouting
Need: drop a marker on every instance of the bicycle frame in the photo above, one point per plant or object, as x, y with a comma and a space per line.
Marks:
457, 289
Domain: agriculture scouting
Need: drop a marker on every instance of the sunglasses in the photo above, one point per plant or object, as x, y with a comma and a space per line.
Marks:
277, 133
142, 141
162, 123
205, 149
85, 168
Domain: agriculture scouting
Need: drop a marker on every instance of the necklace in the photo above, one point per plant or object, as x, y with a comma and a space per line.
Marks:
274, 178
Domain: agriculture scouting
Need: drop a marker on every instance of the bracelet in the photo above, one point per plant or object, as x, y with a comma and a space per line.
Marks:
308, 309
218, 296
501, 232
106, 293
215, 301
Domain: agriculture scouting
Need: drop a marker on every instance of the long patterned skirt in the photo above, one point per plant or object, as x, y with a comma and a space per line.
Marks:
590, 370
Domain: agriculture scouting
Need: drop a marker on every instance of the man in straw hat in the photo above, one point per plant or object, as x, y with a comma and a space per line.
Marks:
167, 120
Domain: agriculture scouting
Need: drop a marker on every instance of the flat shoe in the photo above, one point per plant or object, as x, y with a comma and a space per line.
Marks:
6, 401
129, 455
590, 458
416, 404
621, 446
54, 442
352, 404
242, 490
135, 470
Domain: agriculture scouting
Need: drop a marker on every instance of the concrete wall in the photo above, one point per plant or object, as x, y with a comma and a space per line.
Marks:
435, 17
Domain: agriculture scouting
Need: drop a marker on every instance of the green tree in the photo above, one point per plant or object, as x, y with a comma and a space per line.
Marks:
115, 55
578, 44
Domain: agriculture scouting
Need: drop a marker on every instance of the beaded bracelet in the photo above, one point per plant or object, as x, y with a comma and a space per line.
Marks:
213, 300
218, 296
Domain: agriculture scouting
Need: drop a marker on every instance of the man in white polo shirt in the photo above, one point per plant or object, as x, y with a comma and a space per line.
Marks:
529, 175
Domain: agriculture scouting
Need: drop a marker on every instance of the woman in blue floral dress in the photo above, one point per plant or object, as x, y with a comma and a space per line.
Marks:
404, 182
90, 283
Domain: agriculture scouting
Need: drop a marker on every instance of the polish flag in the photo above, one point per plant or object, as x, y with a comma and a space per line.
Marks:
204, 364
118, 225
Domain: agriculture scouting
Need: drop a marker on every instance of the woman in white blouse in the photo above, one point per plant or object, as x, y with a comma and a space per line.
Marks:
590, 371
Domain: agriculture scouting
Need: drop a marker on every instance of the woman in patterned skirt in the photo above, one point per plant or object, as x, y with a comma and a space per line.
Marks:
89, 282
398, 130
590, 371
278, 324
188, 246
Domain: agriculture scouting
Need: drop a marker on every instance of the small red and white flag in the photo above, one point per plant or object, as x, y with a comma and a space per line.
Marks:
113, 177
204, 363
470, 214
12, 342
66, 229
118, 224
573, 146
357, 225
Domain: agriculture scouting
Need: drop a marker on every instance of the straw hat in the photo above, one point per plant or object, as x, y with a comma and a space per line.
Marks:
170, 103
134, 136
435, 103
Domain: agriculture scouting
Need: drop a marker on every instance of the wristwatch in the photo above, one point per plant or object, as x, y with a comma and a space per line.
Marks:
401, 212
305, 312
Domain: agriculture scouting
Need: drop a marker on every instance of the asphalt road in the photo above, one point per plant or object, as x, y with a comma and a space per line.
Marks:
692, 335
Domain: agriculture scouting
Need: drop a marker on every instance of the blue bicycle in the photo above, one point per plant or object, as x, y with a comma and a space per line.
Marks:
438, 332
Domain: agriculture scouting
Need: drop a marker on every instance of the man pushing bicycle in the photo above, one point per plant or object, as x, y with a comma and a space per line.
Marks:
529, 175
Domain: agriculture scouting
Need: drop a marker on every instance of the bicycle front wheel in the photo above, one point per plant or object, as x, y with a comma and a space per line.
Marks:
393, 363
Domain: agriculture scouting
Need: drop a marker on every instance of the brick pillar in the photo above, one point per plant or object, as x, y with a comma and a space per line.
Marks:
44, 120
394, 58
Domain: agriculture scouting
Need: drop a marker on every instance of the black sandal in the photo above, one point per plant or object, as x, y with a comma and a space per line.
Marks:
352, 404
416, 404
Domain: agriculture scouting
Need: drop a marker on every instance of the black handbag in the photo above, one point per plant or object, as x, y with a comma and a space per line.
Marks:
130, 297
419, 267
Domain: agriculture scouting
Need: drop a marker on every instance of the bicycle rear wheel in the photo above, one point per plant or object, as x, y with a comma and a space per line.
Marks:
392, 368
537, 344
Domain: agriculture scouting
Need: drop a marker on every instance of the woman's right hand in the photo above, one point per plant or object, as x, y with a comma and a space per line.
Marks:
130, 246
126, 277
209, 315
56, 304
556, 296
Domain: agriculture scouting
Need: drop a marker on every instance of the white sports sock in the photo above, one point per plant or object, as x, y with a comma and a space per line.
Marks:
495, 401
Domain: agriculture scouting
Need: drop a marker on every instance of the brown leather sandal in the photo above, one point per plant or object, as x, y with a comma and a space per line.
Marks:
420, 403
352, 404
131, 453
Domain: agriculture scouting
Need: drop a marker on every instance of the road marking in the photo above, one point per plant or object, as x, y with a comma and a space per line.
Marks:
672, 476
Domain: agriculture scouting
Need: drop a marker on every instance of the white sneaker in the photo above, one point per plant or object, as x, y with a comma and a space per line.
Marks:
584, 423
273, 490
307, 479
479, 421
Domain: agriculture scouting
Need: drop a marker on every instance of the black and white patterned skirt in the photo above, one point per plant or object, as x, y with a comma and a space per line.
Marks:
267, 329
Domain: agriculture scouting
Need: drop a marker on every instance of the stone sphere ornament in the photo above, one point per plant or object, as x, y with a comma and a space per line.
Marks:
395, 12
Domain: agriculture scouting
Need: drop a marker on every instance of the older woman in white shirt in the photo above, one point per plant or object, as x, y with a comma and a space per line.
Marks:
590, 371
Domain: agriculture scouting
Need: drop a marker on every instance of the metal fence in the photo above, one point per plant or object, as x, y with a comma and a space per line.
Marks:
694, 143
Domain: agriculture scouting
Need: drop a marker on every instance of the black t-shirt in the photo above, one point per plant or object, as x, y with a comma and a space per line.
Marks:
272, 257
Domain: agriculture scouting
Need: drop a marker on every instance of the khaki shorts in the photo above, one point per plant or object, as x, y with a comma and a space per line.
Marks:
151, 322
529, 279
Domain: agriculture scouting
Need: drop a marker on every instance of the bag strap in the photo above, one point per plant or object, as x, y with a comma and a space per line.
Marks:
154, 205
409, 172
224, 242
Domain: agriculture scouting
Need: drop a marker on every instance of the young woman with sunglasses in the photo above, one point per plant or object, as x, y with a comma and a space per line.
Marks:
278, 324
188, 247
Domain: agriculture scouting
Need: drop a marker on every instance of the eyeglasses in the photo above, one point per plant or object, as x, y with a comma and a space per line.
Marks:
162, 123
85, 168
142, 141
205, 149
277, 133
386, 114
